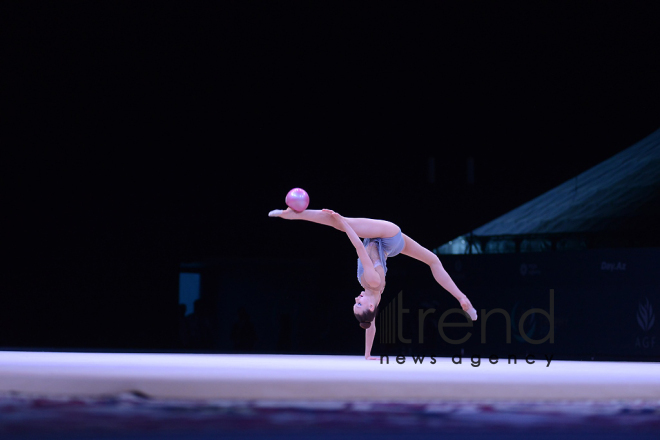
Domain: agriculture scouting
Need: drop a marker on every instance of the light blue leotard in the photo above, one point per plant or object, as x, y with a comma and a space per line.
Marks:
387, 247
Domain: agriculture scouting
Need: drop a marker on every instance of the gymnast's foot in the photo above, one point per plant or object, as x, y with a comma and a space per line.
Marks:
467, 307
288, 213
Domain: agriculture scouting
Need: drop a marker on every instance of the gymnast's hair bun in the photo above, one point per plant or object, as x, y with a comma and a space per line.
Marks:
365, 325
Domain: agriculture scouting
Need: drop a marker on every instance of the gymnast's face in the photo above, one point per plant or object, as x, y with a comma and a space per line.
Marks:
362, 304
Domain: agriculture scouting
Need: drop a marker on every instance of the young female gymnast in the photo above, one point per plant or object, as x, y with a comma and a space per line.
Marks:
382, 239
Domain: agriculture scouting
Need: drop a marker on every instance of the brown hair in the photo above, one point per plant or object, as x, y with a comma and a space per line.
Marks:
366, 317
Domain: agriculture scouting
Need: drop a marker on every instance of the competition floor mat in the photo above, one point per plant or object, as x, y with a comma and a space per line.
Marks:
52, 395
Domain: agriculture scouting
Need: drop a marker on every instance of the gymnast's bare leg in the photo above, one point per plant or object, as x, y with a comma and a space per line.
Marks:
418, 252
363, 227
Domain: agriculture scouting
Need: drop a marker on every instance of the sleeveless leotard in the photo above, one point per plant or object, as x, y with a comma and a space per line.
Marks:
387, 247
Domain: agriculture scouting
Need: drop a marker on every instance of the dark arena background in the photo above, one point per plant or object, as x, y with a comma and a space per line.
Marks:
147, 294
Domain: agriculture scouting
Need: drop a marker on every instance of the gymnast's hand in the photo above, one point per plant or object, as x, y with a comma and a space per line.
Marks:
336, 220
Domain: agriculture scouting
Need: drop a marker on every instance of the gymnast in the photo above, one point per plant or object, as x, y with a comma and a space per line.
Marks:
382, 239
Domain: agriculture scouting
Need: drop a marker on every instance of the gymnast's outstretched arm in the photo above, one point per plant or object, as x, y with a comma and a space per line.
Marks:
370, 275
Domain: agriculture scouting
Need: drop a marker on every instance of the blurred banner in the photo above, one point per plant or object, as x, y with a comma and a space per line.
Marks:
599, 304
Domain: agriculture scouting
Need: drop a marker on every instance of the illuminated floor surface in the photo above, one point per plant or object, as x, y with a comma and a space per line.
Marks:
84, 396
215, 376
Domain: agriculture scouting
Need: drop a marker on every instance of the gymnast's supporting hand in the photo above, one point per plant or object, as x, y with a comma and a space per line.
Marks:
369, 335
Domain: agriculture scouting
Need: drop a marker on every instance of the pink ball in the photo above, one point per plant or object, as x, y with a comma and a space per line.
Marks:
297, 199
